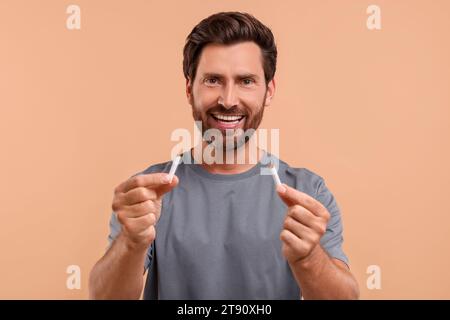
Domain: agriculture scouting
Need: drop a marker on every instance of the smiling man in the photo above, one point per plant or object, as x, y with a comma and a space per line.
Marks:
220, 230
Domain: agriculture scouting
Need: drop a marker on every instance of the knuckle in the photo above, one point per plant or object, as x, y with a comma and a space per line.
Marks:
151, 232
322, 229
148, 236
139, 180
308, 246
288, 222
114, 205
152, 218
140, 192
284, 234
147, 206
140, 208
144, 193
127, 225
121, 217
314, 238
296, 211
149, 219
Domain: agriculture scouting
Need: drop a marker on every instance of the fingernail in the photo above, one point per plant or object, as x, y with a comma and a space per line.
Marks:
281, 188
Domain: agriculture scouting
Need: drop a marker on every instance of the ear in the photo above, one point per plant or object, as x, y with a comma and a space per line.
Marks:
270, 92
189, 91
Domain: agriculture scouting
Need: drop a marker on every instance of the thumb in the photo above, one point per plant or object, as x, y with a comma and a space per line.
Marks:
287, 194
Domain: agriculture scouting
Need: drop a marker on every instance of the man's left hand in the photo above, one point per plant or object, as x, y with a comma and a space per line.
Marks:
305, 224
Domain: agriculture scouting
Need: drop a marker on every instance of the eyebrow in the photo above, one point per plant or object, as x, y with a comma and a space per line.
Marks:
240, 76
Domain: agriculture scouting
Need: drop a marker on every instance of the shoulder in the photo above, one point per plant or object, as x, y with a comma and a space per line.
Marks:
301, 178
311, 183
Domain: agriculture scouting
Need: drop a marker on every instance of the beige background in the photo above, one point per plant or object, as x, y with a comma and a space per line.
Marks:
83, 110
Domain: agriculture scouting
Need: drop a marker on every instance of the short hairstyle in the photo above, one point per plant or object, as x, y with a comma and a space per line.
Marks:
229, 28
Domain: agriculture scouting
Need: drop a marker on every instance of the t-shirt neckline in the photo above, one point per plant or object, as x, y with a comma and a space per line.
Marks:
198, 169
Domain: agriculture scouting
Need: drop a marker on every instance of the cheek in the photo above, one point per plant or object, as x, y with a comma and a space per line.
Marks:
205, 98
253, 100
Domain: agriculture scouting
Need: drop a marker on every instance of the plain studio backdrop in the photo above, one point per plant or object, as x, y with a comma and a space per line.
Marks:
82, 110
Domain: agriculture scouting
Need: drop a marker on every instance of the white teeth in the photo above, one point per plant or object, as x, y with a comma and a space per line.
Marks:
228, 118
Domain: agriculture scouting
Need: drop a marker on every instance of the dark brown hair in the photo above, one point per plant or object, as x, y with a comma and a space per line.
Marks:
229, 28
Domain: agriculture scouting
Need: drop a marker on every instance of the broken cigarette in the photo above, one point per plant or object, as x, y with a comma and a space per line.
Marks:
275, 176
174, 166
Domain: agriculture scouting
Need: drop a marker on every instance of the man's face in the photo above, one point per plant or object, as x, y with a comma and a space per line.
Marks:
229, 91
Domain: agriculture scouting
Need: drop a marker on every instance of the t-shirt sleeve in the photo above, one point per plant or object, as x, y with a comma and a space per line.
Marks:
332, 239
114, 231
114, 228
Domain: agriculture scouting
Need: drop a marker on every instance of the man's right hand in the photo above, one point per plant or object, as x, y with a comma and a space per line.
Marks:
137, 203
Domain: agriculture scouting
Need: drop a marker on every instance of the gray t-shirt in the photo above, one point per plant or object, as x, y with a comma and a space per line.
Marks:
218, 236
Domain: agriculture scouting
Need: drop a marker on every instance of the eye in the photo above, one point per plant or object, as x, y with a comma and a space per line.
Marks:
211, 81
248, 81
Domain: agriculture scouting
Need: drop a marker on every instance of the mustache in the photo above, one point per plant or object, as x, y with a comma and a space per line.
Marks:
221, 109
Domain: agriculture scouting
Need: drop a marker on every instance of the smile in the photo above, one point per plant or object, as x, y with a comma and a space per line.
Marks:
228, 118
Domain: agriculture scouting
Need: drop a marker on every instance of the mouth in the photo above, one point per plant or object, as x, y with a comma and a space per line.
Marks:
225, 121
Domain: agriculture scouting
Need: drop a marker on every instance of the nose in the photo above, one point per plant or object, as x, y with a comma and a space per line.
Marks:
228, 98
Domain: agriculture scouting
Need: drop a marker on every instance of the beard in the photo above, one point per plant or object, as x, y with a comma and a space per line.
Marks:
232, 139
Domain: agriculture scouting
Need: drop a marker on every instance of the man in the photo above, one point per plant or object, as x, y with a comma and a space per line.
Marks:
220, 230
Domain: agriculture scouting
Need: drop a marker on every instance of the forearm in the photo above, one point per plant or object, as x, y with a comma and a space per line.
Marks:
119, 273
320, 278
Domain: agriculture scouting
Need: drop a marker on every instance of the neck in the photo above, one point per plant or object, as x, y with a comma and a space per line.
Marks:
228, 168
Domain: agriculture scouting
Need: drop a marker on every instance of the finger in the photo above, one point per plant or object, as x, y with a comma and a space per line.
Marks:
136, 210
291, 196
140, 224
292, 240
303, 215
137, 195
287, 236
141, 209
152, 180
299, 230
292, 244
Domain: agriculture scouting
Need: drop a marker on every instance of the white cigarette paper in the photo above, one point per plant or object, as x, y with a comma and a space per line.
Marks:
275, 176
173, 168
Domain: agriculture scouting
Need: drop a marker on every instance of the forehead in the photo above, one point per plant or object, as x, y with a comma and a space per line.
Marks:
243, 57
